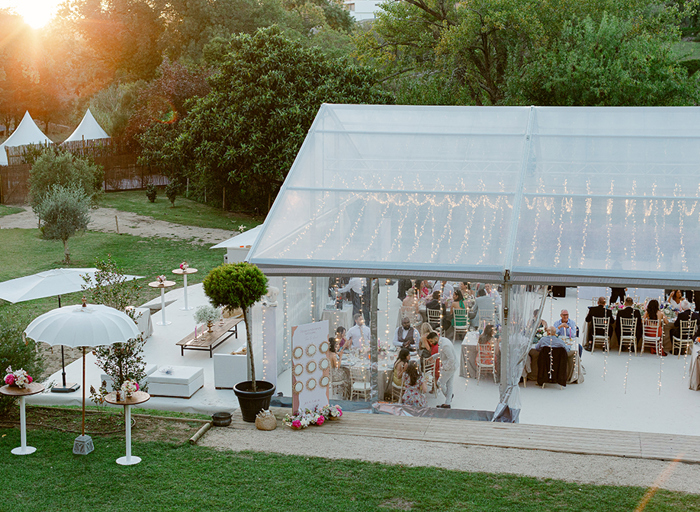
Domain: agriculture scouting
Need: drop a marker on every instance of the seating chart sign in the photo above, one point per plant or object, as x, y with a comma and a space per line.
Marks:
310, 366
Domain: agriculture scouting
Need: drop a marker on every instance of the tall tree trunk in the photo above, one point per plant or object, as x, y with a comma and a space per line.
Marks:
249, 340
66, 251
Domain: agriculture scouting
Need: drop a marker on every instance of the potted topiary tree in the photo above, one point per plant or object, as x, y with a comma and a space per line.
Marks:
240, 285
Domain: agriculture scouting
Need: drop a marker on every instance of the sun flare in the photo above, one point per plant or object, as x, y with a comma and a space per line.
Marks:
36, 13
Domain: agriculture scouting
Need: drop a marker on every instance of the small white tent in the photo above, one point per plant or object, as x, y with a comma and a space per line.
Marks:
237, 247
88, 129
26, 133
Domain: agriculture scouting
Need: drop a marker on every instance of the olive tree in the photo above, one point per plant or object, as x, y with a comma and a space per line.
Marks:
64, 212
237, 285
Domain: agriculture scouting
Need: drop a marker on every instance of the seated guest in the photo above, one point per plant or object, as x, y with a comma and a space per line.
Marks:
424, 289
400, 366
653, 313
599, 311
424, 346
332, 355
409, 307
482, 301
675, 299
487, 336
685, 315
414, 387
629, 312
358, 335
458, 302
446, 290
493, 293
435, 304
406, 336
340, 338
565, 326
551, 340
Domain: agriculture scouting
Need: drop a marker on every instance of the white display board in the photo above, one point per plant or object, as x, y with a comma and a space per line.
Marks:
310, 366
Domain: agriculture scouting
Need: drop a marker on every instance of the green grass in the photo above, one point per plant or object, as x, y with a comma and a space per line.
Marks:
25, 253
8, 210
182, 477
185, 211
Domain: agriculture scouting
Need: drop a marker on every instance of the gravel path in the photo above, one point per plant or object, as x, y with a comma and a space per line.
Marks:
103, 219
589, 469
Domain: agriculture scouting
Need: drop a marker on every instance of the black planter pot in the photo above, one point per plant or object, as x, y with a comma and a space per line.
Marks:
253, 402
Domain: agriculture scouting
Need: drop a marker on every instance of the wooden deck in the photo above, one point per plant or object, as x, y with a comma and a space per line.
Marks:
505, 435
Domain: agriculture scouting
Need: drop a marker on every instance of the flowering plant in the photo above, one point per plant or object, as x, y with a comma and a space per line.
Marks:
241, 228
539, 333
317, 416
18, 378
161, 279
130, 387
184, 265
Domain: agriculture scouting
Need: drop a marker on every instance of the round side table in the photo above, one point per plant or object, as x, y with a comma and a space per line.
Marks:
136, 398
162, 286
184, 273
31, 389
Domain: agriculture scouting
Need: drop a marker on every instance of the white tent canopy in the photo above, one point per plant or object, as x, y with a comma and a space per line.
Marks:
241, 241
574, 196
26, 133
88, 129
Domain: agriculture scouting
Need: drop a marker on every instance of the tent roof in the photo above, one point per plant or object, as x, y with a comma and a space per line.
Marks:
549, 194
245, 239
88, 129
26, 133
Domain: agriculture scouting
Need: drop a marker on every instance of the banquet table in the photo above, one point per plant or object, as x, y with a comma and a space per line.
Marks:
467, 357
694, 371
575, 370
385, 366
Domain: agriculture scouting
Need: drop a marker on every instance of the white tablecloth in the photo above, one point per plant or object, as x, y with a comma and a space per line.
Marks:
144, 322
337, 317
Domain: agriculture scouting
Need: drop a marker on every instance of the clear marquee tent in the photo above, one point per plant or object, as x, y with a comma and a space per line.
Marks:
88, 129
523, 196
26, 133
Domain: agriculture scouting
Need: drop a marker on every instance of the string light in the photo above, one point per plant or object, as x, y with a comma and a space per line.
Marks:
311, 294
286, 318
265, 344
387, 313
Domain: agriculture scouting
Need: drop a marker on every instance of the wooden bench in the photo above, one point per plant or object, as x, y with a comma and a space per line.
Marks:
210, 340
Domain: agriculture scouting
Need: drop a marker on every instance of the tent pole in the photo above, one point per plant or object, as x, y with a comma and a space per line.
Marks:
373, 342
505, 341
83, 422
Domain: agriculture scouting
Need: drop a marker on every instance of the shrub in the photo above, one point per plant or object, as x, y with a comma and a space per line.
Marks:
172, 189
151, 192
18, 354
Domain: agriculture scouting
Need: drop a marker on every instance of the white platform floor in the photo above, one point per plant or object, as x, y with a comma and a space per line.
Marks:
605, 403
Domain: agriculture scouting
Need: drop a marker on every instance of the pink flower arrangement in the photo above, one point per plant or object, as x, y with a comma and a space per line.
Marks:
296, 424
320, 420
318, 416
18, 378
184, 265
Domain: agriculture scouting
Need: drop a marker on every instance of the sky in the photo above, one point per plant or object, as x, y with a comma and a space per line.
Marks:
36, 13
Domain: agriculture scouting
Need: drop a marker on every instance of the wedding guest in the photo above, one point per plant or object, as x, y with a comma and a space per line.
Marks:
332, 355
629, 312
675, 299
400, 366
653, 313
424, 347
359, 295
340, 336
599, 311
551, 340
565, 326
406, 336
448, 365
685, 315
410, 308
358, 335
414, 386
487, 335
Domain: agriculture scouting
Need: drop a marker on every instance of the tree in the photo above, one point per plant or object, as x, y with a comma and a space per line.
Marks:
20, 354
54, 167
110, 287
480, 52
238, 285
64, 213
264, 97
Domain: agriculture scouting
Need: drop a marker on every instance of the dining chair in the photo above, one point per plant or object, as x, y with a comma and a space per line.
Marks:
600, 332
628, 333
686, 337
433, 317
485, 360
650, 335
396, 391
429, 374
359, 383
460, 322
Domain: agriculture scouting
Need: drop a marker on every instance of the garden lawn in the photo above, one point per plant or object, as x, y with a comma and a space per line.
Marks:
9, 210
185, 211
25, 253
180, 477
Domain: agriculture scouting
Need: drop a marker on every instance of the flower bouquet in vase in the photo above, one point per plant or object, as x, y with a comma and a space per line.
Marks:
129, 387
206, 314
161, 279
18, 378
184, 266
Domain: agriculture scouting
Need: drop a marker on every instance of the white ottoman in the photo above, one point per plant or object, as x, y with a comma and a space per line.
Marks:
150, 368
181, 382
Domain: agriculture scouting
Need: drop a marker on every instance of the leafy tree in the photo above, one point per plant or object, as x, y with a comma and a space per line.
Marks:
121, 361
264, 97
54, 167
486, 51
64, 213
114, 106
238, 285
15, 352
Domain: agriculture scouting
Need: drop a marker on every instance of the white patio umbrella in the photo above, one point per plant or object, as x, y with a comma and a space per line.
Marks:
57, 281
89, 325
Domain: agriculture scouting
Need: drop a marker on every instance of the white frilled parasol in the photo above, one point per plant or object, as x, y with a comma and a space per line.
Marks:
89, 325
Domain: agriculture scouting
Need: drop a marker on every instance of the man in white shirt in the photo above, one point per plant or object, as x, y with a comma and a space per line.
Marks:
493, 293
358, 335
406, 336
356, 287
446, 290
448, 365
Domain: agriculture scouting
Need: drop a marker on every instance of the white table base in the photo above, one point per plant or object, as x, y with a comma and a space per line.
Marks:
186, 308
23, 449
128, 460
162, 308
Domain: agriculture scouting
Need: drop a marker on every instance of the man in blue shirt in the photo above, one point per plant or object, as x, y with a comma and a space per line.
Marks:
566, 328
551, 340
